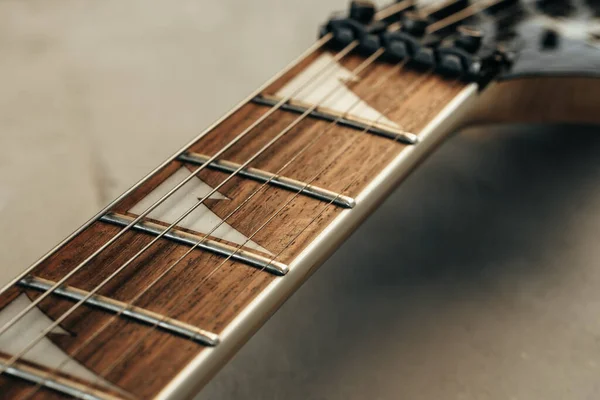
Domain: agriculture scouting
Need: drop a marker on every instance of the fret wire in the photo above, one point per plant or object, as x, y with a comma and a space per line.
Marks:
324, 208
258, 272
396, 68
340, 55
156, 239
262, 226
63, 280
316, 46
333, 123
415, 85
44, 295
321, 42
181, 218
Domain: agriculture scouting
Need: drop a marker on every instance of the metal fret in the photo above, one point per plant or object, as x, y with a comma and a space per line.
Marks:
179, 236
137, 314
56, 383
273, 179
346, 120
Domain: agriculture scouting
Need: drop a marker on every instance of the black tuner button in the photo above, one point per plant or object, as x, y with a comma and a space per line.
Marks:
451, 64
362, 11
414, 23
549, 39
359, 26
343, 31
398, 50
425, 57
399, 45
369, 44
469, 38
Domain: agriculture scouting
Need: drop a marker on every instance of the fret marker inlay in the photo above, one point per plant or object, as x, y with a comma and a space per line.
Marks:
202, 219
352, 110
45, 353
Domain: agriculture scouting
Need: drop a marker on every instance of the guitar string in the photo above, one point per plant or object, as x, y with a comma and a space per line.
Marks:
319, 43
263, 186
91, 293
259, 189
345, 51
239, 137
17, 317
134, 256
277, 106
393, 70
4, 366
347, 187
375, 56
113, 318
398, 67
49, 291
257, 273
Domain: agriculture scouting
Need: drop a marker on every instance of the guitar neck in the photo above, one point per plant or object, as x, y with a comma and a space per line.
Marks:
156, 303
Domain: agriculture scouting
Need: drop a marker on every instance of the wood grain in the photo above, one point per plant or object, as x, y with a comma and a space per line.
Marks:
205, 289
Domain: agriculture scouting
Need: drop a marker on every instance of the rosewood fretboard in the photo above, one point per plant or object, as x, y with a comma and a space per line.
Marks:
126, 356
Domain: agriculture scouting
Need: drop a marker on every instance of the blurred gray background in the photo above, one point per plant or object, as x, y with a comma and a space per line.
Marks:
478, 279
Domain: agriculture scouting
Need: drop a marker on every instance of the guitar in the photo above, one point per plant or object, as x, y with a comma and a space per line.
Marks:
150, 297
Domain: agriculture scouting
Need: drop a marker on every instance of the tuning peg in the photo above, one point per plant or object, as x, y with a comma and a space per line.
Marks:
362, 11
399, 45
469, 38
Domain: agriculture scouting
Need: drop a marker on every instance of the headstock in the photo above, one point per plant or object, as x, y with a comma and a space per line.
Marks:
553, 38
479, 40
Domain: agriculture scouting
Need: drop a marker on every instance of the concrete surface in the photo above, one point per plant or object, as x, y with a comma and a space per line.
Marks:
478, 279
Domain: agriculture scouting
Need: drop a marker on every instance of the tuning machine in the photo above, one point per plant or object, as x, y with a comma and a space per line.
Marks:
359, 24
466, 57
460, 56
411, 40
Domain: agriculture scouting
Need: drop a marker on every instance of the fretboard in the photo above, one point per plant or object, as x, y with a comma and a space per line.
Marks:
147, 304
